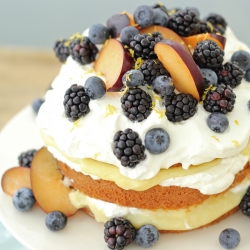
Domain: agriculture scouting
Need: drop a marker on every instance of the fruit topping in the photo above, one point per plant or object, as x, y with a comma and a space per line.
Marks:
144, 15
242, 58
219, 99
128, 148
229, 238
184, 22
25, 158
209, 76
56, 220
245, 203
24, 199
166, 33
36, 105
98, 33
147, 236
118, 233
61, 50
15, 178
160, 6
207, 54
82, 50
186, 72
113, 62
192, 41
247, 75
95, 87
116, 23
218, 22
248, 104
204, 27
143, 45
218, 122
180, 107
163, 86
136, 104
160, 17
157, 141
133, 78
230, 74
76, 102
151, 69
47, 184
127, 34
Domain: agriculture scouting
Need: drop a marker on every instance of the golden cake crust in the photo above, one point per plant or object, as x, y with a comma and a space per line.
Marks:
157, 197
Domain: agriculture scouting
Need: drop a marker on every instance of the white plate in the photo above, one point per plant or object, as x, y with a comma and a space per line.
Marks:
82, 232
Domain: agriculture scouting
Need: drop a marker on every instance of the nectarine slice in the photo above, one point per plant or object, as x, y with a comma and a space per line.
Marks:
113, 62
191, 41
182, 68
15, 178
166, 33
47, 184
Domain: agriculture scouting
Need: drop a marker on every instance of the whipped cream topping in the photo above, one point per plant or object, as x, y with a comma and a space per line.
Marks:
192, 142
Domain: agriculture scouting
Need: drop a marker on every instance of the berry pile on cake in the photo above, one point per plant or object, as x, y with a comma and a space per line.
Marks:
147, 122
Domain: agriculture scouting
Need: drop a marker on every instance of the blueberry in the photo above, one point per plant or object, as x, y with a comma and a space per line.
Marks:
229, 238
163, 85
36, 104
209, 76
56, 220
144, 15
24, 199
247, 75
147, 235
157, 141
217, 122
242, 57
133, 78
127, 34
160, 17
95, 87
98, 33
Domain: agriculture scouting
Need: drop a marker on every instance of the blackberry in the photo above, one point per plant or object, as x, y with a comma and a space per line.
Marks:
136, 104
143, 45
204, 27
230, 74
207, 54
180, 107
76, 102
118, 233
128, 148
218, 22
151, 69
219, 99
184, 22
245, 203
25, 158
61, 50
83, 50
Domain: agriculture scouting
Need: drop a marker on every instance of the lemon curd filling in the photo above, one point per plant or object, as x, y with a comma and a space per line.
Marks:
181, 219
210, 178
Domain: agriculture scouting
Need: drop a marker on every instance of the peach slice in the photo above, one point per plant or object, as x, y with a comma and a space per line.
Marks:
15, 178
47, 184
113, 62
191, 41
181, 66
166, 33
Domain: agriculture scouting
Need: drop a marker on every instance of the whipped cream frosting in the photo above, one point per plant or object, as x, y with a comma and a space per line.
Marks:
192, 142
